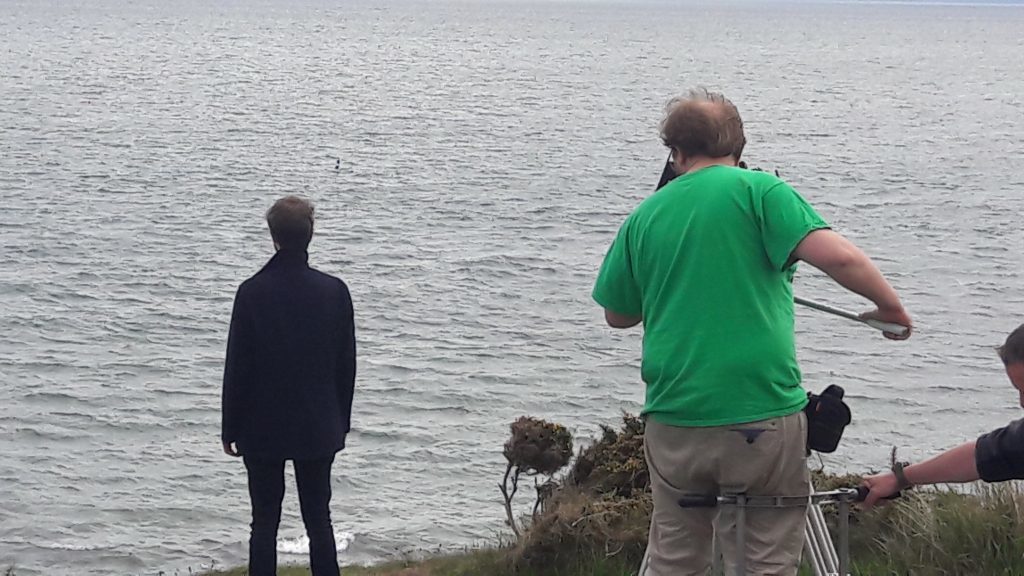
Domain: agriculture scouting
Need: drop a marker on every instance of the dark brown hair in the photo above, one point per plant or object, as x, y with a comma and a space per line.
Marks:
1012, 352
703, 123
291, 222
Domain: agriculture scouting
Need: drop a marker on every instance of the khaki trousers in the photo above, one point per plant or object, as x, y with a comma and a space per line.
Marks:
766, 458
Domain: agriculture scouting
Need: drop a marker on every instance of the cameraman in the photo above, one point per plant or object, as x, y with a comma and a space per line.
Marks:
994, 457
706, 264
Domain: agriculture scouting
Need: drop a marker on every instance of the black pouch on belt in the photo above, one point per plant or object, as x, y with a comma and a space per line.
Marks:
827, 417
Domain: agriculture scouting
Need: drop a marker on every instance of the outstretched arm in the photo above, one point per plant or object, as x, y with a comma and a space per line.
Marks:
993, 457
952, 466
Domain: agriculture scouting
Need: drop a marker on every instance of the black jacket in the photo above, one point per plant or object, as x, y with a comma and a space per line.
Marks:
999, 455
290, 369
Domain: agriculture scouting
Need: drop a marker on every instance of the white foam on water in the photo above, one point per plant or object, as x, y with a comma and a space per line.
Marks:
300, 544
71, 546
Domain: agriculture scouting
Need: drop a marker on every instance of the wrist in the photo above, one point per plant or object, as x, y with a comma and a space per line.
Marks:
899, 470
891, 306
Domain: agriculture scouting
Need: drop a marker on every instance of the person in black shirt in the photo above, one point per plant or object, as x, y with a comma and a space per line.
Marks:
993, 457
289, 378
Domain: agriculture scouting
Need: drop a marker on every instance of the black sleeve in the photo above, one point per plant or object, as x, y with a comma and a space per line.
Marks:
347, 360
234, 372
999, 455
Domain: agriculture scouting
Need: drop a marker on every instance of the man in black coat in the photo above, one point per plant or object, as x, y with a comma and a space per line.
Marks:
289, 376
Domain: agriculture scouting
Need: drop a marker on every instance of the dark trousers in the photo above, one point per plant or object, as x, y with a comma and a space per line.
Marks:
266, 490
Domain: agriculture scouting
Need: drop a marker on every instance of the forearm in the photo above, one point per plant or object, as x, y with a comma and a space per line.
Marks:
347, 374
230, 388
229, 413
954, 465
346, 392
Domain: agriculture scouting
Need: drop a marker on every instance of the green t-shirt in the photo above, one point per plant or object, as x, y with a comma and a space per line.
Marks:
706, 262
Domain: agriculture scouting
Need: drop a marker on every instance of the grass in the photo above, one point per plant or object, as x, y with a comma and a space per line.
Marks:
945, 533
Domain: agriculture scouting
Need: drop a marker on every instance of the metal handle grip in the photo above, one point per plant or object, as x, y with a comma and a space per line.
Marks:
890, 327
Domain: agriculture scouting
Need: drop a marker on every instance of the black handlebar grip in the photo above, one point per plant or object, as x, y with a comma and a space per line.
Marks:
699, 501
862, 494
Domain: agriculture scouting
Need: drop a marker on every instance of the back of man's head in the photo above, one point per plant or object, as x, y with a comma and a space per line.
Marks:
1012, 351
703, 123
291, 222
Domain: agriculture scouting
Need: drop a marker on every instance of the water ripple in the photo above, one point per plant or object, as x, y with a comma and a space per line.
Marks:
488, 153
